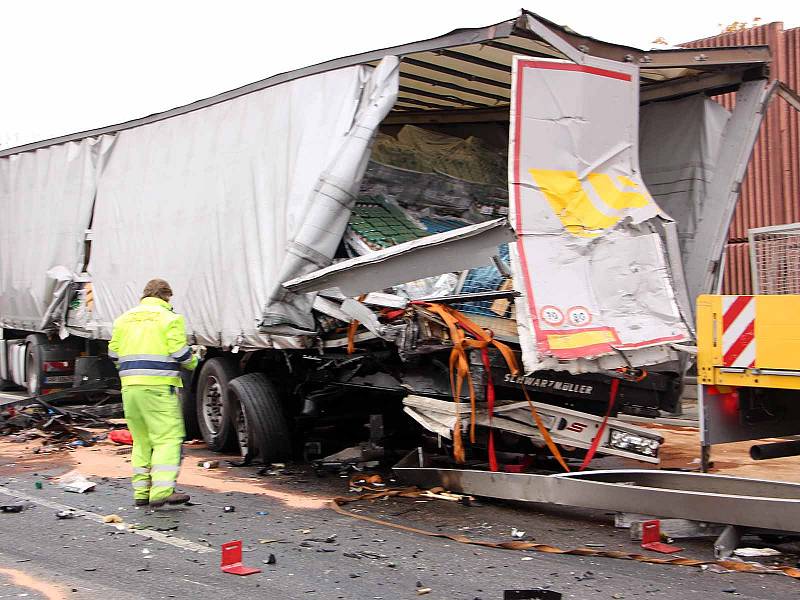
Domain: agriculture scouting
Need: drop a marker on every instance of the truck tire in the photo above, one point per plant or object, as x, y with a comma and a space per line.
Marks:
34, 363
213, 418
189, 406
257, 414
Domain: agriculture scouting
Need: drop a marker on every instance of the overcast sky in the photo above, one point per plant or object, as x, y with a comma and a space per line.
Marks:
72, 65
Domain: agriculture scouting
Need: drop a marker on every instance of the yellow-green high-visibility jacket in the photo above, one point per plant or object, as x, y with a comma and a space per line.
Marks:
149, 341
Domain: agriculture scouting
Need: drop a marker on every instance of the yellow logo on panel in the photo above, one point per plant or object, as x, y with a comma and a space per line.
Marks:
573, 206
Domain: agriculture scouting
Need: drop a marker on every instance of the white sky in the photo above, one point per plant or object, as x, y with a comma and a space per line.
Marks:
73, 65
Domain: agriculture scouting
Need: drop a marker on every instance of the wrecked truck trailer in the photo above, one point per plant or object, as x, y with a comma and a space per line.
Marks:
528, 211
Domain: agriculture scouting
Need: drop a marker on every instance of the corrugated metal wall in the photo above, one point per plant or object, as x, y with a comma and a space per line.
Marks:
771, 189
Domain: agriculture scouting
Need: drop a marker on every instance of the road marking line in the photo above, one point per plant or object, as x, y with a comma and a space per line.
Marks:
91, 516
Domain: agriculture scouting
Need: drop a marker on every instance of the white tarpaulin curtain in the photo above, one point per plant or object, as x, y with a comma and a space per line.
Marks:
679, 145
211, 200
45, 207
591, 272
326, 211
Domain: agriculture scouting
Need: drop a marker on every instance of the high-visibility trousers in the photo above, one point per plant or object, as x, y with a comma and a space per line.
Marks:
155, 421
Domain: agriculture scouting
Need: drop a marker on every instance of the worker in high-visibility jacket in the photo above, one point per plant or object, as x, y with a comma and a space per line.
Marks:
149, 343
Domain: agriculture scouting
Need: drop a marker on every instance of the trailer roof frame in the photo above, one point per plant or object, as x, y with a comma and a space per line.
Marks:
526, 34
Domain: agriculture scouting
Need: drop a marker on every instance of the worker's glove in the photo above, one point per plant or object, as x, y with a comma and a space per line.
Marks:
199, 351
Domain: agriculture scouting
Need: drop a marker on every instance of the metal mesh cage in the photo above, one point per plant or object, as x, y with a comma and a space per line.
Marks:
775, 259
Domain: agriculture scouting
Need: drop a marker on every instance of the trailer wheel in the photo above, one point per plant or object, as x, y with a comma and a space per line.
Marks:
213, 418
257, 414
34, 363
188, 401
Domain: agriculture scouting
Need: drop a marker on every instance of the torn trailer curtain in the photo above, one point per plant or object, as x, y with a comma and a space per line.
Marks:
46, 201
588, 263
223, 201
323, 214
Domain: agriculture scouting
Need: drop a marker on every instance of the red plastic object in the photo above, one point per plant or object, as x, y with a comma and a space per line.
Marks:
651, 538
232, 559
121, 436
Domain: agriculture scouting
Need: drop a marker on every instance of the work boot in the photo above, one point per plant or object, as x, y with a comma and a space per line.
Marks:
141, 502
172, 499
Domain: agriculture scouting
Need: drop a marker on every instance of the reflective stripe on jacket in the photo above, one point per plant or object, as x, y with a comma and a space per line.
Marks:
149, 343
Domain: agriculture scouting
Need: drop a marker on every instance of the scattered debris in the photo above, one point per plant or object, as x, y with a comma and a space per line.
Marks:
262, 513
536, 594
229, 509
208, 464
77, 484
756, 552
11, 508
65, 514
366, 455
450, 496
270, 560
122, 437
38, 485
112, 519
516, 533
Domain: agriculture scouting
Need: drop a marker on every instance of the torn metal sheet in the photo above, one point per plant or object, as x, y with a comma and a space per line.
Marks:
567, 427
454, 250
330, 308
361, 313
591, 269
385, 300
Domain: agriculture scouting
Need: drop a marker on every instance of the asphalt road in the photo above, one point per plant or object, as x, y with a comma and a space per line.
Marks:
320, 554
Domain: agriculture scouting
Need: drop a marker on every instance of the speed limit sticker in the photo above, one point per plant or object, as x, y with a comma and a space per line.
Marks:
579, 316
552, 315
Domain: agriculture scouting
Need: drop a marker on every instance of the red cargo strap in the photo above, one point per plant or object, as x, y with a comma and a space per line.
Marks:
599, 435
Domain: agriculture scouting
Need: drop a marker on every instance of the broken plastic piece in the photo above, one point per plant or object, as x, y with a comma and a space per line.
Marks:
651, 538
232, 560
78, 484
535, 594
121, 436
229, 509
756, 552
65, 514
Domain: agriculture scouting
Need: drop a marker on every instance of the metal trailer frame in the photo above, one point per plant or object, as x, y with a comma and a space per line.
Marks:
735, 501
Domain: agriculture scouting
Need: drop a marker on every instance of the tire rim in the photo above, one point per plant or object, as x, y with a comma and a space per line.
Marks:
212, 404
240, 424
32, 375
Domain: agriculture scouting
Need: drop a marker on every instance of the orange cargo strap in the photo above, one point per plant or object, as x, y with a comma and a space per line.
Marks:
352, 327
458, 323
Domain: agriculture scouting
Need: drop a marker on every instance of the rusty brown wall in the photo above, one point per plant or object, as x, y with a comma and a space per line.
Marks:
771, 189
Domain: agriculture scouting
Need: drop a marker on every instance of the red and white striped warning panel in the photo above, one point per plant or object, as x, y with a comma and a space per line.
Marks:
738, 331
